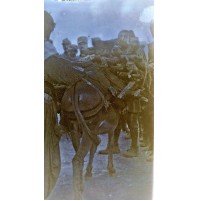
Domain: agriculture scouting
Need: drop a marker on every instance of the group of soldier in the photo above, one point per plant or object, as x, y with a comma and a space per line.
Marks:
130, 74
120, 67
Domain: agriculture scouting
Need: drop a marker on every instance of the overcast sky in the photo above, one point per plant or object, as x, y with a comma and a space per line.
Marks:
99, 18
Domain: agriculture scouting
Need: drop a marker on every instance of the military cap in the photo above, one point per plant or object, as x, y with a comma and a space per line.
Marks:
82, 39
66, 41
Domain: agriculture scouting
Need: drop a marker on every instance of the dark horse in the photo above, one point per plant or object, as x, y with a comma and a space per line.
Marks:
85, 112
86, 116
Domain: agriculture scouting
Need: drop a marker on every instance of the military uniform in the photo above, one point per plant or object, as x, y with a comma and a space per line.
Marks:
137, 67
132, 99
148, 116
71, 53
148, 119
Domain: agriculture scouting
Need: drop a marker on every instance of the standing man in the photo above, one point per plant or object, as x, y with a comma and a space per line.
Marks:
52, 162
136, 67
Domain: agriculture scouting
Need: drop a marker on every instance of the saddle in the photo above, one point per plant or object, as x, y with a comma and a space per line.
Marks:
90, 101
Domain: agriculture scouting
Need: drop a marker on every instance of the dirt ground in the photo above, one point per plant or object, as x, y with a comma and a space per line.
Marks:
133, 179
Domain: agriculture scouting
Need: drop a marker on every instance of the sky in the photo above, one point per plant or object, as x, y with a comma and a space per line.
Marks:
99, 18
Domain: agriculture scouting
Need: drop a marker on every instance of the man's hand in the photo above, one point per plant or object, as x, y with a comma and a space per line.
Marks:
137, 93
113, 90
144, 99
92, 57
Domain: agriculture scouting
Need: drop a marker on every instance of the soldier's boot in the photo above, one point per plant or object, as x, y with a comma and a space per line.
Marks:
132, 152
143, 143
149, 156
116, 150
127, 133
141, 132
143, 138
146, 148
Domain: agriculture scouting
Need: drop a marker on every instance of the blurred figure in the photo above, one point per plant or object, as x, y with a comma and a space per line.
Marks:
65, 44
82, 42
123, 39
52, 162
72, 52
136, 66
151, 45
148, 117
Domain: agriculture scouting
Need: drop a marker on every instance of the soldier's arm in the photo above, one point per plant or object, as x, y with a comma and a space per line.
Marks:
83, 64
124, 75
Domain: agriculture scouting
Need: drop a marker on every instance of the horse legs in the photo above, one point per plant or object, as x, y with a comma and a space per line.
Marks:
90, 163
75, 137
116, 148
78, 162
133, 125
110, 166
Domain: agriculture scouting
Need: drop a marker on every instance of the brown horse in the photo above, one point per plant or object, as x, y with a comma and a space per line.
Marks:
85, 113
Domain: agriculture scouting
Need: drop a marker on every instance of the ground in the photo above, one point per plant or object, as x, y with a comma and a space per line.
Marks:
133, 179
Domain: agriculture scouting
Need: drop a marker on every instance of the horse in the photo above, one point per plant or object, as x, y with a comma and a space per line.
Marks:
86, 114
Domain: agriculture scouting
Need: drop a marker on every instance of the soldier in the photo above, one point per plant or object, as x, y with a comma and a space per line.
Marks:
148, 114
136, 71
52, 162
72, 52
127, 78
133, 109
123, 36
123, 39
148, 117
65, 44
82, 42
103, 48
86, 54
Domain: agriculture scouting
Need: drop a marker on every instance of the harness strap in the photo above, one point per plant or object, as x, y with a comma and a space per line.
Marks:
81, 119
106, 103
